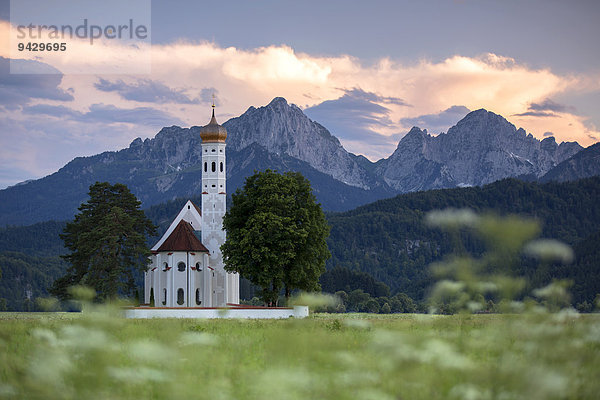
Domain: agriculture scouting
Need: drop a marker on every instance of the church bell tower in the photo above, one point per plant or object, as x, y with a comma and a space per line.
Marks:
214, 198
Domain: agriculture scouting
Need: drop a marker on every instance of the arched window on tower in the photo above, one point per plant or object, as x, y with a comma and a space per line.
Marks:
214, 166
164, 297
198, 299
181, 267
198, 267
221, 166
205, 167
180, 296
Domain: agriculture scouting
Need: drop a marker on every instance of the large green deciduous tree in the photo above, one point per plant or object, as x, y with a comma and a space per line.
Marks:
107, 243
276, 234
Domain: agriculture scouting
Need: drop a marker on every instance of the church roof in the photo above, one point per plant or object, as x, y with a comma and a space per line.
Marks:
197, 208
190, 213
182, 239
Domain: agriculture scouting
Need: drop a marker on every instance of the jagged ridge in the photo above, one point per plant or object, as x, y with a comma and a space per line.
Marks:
481, 148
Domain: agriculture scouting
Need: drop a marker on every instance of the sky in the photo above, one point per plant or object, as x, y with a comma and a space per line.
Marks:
367, 71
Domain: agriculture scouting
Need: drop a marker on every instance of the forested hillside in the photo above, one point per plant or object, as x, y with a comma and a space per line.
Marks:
388, 240
382, 248
30, 262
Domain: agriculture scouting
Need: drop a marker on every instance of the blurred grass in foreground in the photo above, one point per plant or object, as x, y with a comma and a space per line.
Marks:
539, 351
340, 356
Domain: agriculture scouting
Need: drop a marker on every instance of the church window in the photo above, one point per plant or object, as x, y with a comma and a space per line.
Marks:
198, 267
205, 167
221, 167
214, 185
221, 150
188, 207
198, 299
181, 267
180, 296
165, 266
214, 166
213, 150
206, 151
164, 297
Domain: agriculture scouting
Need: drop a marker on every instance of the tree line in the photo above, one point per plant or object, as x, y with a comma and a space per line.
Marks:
376, 248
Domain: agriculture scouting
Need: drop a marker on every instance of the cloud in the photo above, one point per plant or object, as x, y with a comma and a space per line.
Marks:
360, 94
437, 123
39, 145
368, 105
146, 90
535, 114
355, 106
107, 114
139, 115
547, 108
19, 89
206, 95
51, 110
353, 117
550, 105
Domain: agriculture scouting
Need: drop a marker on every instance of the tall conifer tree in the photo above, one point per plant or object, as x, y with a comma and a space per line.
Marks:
107, 243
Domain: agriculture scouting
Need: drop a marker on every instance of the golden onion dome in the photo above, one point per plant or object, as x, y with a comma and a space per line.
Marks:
213, 132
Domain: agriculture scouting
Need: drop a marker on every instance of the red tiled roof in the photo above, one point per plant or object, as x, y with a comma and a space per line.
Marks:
182, 239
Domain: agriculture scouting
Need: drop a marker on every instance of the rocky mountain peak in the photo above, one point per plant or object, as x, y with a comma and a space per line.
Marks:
412, 142
549, 144
284, 129
584, 164
136, 142
416, 133
278, 102
484, 124
481, 148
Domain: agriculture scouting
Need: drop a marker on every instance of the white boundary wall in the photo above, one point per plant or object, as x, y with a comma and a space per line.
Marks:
210, 313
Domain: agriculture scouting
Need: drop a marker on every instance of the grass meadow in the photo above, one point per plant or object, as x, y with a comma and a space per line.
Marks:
98, 354
538, 348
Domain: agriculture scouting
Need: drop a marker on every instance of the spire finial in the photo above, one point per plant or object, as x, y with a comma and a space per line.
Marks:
213, 120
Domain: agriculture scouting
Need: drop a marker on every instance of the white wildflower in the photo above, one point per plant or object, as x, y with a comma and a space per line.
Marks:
45, 336
138, 374
451, 218
198, 338
357, 324
549, 250
148, 351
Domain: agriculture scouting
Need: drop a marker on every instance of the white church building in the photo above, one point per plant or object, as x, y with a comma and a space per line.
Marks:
186, 271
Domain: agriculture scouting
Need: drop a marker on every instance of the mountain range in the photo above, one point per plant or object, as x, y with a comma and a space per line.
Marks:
482, 148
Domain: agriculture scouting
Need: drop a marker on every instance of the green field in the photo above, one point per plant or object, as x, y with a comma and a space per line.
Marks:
99, 355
